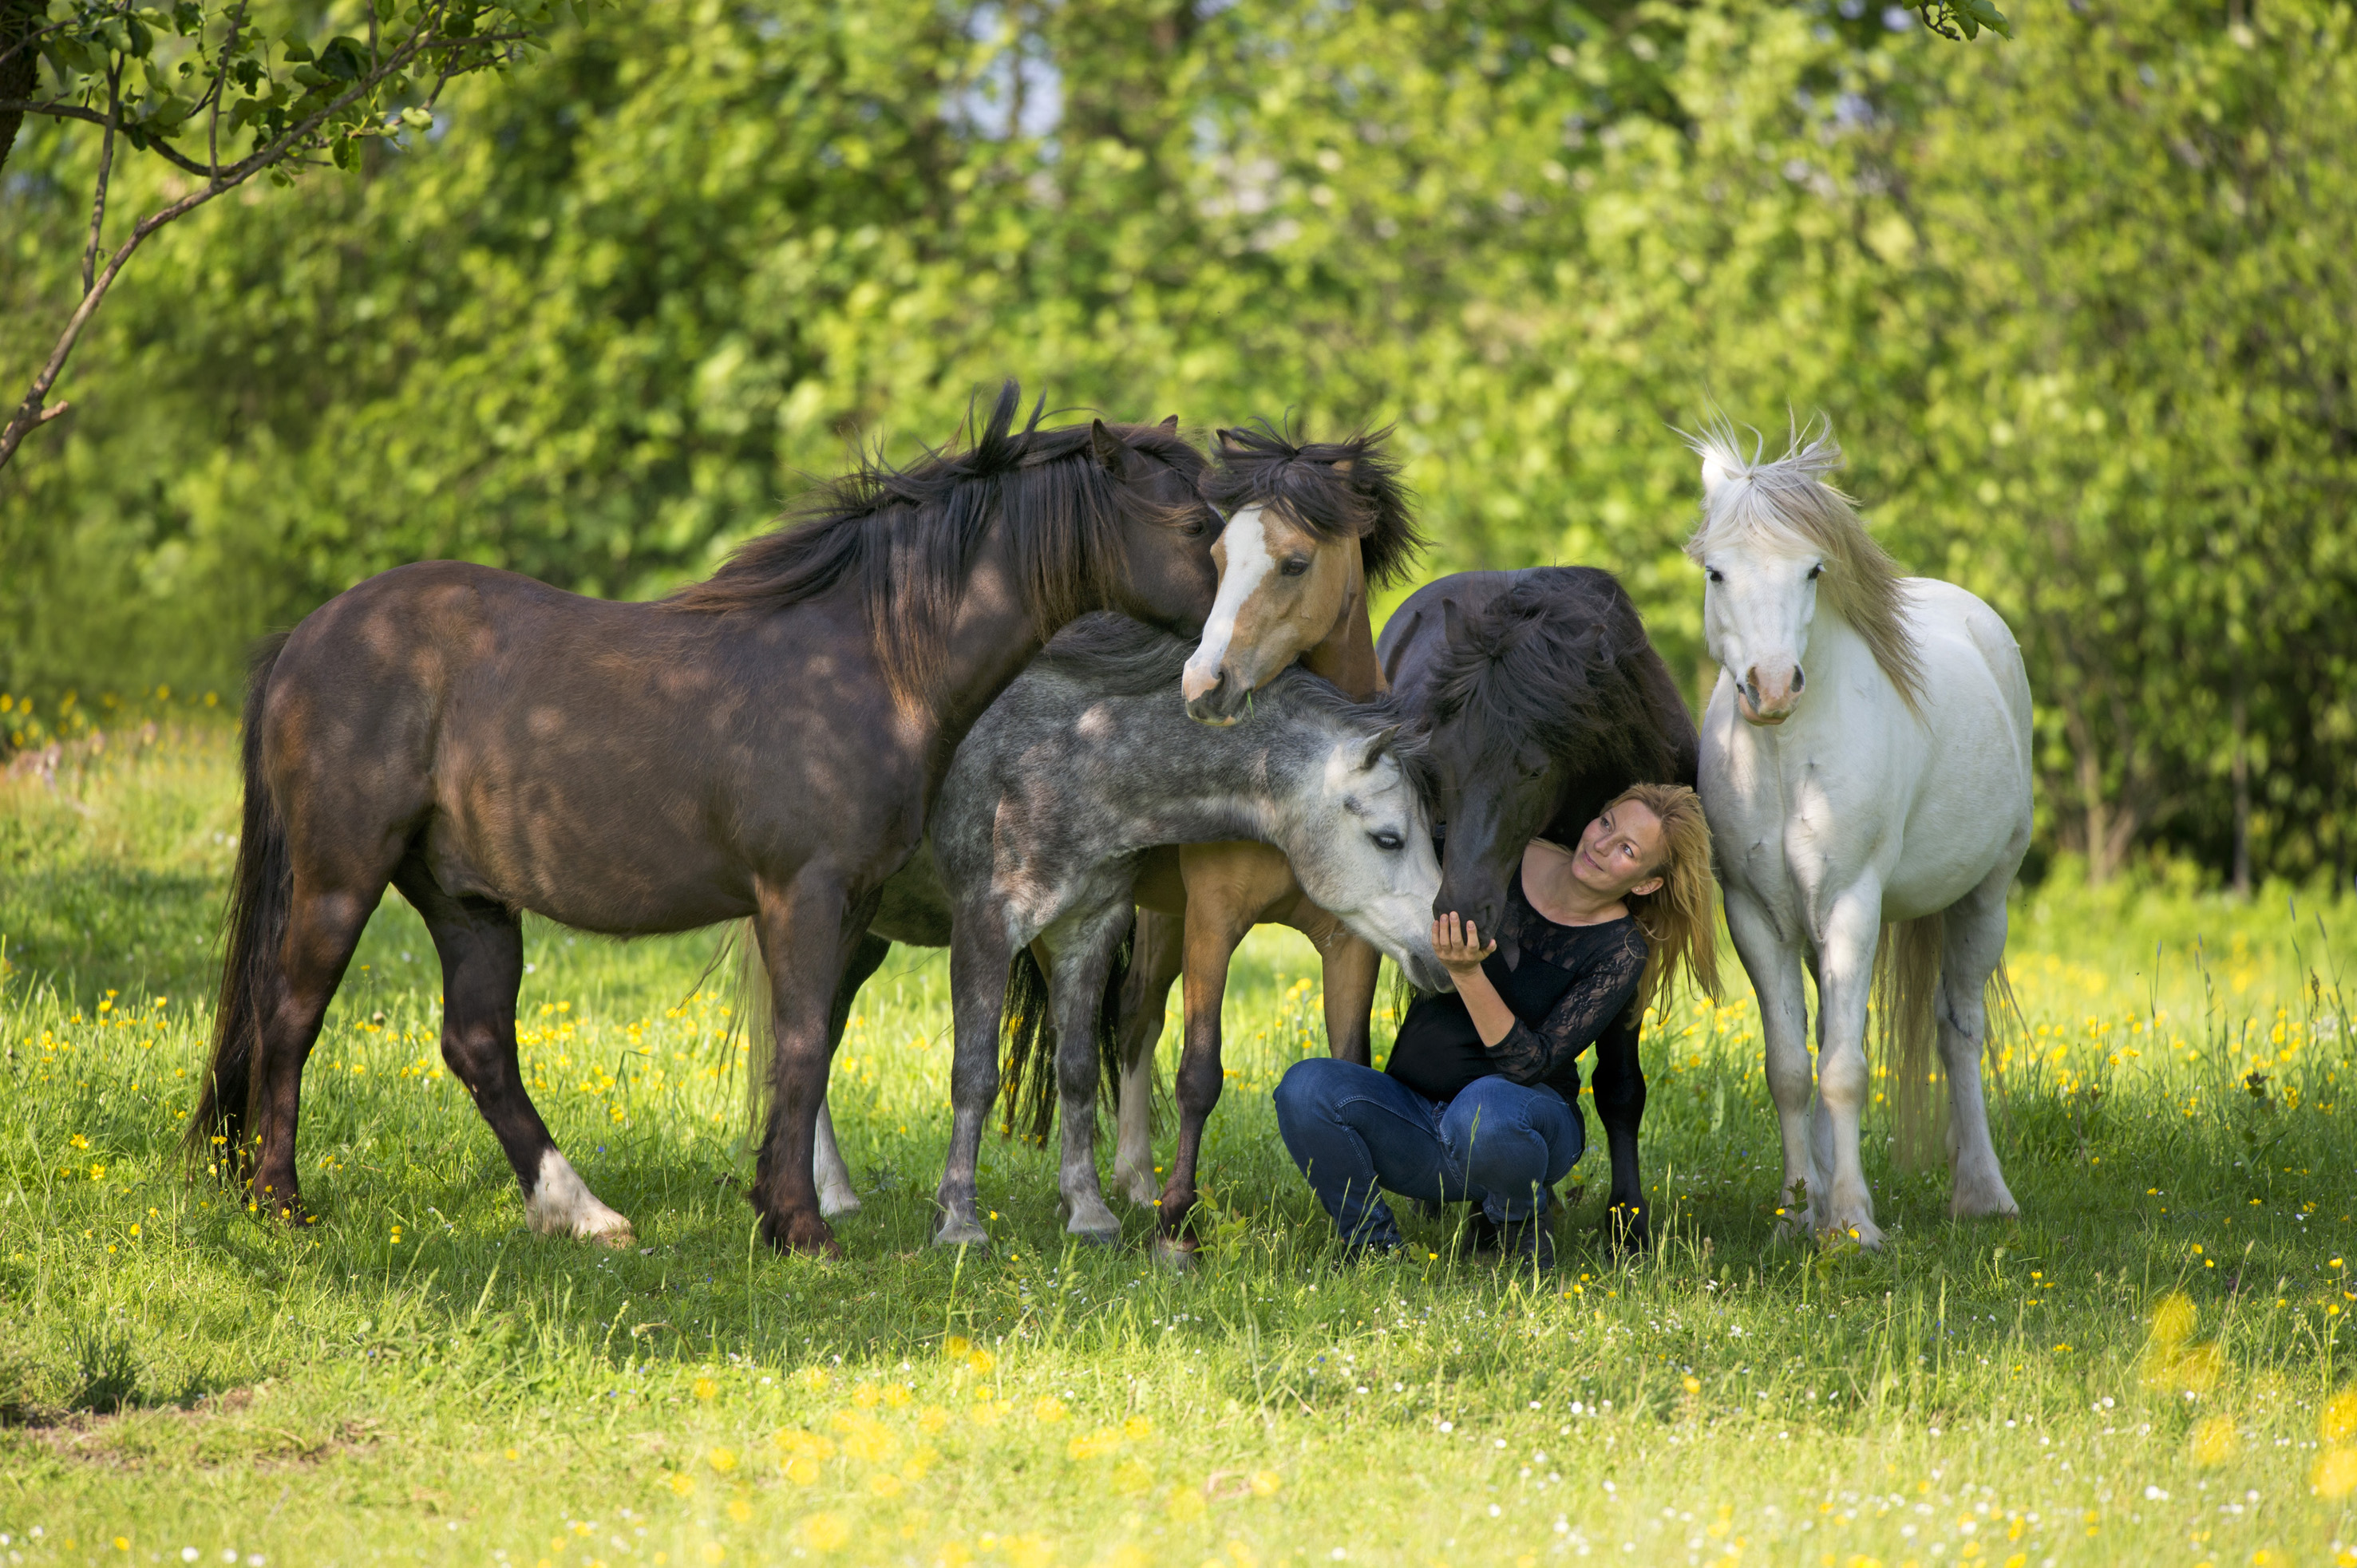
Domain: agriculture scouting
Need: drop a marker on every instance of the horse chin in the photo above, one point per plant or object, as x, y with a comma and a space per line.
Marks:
1752, 715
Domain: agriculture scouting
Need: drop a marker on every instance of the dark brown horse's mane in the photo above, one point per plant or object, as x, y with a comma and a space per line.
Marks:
905, 538
1556, 663
1347, 488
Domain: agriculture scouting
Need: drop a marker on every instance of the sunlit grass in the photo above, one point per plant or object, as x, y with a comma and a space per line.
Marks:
2145, 1369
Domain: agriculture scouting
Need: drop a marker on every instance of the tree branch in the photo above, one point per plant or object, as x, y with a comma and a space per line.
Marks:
57, 110
105, 174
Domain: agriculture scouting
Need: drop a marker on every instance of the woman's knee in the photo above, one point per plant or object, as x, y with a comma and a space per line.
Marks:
1309, 1088
1496, 1105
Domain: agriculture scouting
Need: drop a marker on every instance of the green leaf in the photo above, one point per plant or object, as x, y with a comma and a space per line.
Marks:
345, 59
295, 48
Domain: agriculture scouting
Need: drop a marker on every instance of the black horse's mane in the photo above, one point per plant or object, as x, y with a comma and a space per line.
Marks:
1337, 489
1116, 656
905, 537
1556, 660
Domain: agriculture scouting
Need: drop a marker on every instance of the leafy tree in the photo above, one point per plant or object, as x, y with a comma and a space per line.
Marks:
2078, 306
185, 86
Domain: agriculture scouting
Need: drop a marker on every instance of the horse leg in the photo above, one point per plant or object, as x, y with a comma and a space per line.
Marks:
835, 1193
1077, 995
1774, 965
1351, 965
326, 915
480, 944
980, 950
1212, 937
1619, 1086
1842, 1203
1974, 946
1159, 951
807, 927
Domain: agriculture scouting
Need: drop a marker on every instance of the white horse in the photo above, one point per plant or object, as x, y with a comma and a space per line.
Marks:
1869, 829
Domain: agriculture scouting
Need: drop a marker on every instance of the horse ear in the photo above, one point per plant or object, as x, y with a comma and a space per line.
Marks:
1119, 460
1171, 425
1379, 743
1452, 621
1713, 474
1341, 465
1226, 438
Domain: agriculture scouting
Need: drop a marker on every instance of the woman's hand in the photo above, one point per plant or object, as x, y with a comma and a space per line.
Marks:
1459, 946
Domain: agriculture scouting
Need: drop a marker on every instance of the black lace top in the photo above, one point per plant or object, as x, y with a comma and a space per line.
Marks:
1567, 986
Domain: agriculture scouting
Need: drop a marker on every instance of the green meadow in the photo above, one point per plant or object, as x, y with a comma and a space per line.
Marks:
2144, 1369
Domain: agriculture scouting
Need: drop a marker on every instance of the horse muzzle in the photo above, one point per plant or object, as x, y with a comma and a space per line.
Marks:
1219, 704
1770, 702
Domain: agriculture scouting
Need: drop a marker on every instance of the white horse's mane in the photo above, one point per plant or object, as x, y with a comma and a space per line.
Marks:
1789, 499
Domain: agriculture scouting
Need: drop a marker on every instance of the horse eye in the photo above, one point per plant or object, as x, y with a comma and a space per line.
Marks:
1294, 568
1194, 528
1714, 573
1816, 571
1386, 840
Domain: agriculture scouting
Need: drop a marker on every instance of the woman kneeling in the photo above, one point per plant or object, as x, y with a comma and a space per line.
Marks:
1480, 1101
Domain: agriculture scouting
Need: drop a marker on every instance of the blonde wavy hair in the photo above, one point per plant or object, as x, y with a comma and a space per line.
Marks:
1675, 917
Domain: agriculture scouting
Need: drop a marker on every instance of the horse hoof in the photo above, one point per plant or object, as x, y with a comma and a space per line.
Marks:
1998, 1205
1861, 1233
1142, 1193
969, 1234
621, 1237
1096, 1238
799, 1235
841, 1201
1174, 1252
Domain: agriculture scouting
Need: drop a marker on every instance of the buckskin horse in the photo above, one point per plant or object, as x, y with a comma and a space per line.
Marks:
1308, 527
763, 744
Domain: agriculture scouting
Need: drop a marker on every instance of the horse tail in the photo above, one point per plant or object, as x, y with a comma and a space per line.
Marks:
219, 1139
1027, 1030
1906, 992
1027, 1026
1109, 1022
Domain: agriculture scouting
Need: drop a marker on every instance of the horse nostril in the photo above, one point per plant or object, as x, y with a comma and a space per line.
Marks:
1800, 678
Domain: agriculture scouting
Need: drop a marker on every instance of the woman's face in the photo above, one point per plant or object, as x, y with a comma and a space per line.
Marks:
1620, 851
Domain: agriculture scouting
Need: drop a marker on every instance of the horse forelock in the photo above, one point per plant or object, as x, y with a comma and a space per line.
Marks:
903, 538
1336, 490
1788, 502
1540, 665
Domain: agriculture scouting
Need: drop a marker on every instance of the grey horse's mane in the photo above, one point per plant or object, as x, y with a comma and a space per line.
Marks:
1111, 653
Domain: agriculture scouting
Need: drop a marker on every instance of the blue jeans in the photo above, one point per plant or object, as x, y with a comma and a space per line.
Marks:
1352, 1129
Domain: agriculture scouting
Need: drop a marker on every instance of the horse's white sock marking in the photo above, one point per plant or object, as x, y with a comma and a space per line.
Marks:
1245, 543
835, 1193
561, 1204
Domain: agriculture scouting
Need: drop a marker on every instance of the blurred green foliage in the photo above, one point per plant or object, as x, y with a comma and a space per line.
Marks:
2079, 305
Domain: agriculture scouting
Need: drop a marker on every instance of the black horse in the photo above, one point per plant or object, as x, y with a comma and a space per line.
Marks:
1539, 699
766, 744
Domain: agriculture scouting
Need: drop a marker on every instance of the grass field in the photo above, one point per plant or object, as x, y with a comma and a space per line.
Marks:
2144, 1370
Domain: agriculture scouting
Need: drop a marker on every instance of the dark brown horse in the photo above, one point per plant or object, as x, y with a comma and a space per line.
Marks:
764, 745
1540, 699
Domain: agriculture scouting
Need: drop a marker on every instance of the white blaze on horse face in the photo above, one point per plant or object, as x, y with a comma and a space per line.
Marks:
1241, 552
1758, 602
561, 1204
